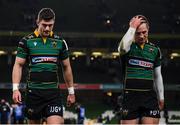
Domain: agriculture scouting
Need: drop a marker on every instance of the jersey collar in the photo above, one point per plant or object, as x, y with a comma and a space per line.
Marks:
37, 34
142, 45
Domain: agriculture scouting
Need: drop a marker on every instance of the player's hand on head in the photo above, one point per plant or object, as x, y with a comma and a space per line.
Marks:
135, 22
71, 99
17, 96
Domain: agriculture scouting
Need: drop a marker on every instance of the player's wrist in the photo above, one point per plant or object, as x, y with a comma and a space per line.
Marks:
15, 86
161, 98
71, 90
132, 29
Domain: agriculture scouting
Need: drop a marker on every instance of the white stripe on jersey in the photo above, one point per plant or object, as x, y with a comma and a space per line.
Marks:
65, 44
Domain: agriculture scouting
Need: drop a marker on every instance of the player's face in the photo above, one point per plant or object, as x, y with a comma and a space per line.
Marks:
141, 35
45, 27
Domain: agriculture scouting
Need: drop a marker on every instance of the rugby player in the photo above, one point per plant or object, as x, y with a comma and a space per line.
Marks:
43, 50
143, 95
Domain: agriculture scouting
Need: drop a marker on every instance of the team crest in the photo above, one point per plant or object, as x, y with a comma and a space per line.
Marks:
151, 49
54, 44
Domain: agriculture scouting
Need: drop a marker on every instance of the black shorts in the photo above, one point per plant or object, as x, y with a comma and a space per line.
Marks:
43, 103
138, 104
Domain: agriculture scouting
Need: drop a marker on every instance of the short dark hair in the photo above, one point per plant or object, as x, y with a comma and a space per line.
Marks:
46, 14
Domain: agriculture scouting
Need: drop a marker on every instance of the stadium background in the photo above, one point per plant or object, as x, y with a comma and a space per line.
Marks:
92, 29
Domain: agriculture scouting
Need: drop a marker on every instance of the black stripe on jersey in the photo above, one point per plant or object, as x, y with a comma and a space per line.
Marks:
43, 76
139, 84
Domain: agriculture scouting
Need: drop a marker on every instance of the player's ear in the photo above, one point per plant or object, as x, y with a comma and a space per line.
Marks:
37, 22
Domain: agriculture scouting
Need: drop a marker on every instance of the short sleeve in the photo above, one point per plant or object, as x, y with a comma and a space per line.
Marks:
158, 58
65, 51
22, 49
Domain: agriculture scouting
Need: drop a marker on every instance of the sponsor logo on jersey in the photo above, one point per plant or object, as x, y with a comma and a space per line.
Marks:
21, 43
44, 59
140, 63
30, 36
56, 36
35, 43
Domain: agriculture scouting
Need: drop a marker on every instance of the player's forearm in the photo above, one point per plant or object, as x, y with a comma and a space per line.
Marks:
158, 81
126, 41
16, 76
68, 77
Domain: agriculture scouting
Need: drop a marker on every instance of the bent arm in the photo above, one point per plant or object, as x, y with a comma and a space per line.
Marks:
158, 82
128, 38
126, 41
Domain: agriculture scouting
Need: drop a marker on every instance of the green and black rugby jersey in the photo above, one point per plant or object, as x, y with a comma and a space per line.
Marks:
138, 66
43, 56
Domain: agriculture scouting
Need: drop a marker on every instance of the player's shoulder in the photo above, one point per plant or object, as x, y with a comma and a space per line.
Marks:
28, 37
23, 40
58, 38
153, 45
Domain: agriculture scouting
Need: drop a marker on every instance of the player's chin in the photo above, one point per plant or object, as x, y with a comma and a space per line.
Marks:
45, 34
141, 41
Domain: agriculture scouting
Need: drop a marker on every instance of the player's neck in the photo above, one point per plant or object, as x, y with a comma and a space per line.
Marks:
141, 44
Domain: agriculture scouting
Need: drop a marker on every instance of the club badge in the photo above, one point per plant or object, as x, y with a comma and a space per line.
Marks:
54, 44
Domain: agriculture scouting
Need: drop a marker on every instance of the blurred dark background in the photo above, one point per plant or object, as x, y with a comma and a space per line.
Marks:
91, 15
97, 26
